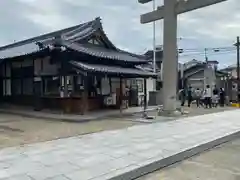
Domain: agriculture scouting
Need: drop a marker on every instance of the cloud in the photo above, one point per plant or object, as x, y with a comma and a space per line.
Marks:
213, 26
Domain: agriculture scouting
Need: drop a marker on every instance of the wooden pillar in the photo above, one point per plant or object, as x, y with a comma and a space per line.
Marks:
110, 84
120, 95
85, 96
42, 79
21, 78
65, 86
145, 94
5, 79
33, 75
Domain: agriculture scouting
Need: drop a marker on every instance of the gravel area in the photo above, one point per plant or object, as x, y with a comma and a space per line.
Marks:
17, 130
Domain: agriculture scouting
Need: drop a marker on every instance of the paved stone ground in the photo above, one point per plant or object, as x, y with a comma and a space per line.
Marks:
104, 155
17, 130
220, 163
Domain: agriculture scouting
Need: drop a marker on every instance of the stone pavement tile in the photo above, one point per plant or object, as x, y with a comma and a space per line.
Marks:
117, 172
10, 156
19, 177
3, 174
52, 171
155, 153
124, 161
88, 173
39, 149
19, 166
61, 177
118, 152
105, 168
143, 146
91, 160
4, 165
49, 159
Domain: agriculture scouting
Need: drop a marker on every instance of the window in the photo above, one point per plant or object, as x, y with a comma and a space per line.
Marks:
8, 87
52, 85
28, 86
16, 87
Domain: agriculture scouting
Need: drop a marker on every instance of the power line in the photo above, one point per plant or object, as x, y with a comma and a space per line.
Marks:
210, 53
207, 49
193, 53
202, 49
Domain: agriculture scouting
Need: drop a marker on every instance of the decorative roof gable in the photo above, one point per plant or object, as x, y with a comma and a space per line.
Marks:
72, 34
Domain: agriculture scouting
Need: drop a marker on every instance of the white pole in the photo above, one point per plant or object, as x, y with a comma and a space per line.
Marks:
154, 40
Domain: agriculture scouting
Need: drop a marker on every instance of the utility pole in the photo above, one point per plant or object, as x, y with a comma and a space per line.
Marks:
238, 66
205, 52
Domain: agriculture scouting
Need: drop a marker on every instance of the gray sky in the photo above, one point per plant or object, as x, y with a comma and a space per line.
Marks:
215, 26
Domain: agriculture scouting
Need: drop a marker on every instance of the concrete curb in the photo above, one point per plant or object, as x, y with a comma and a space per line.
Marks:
141, 171
73, 120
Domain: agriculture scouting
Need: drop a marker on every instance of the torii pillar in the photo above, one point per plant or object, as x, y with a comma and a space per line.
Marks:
170, 60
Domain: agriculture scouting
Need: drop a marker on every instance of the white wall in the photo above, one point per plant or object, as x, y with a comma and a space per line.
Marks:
210, 77
105, 89
115, 85
150, 87
234, 72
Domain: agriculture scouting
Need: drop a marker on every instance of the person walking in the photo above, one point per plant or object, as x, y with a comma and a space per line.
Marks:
189, 96
222, 97
182, 96
207, 97
215, 97
198, 95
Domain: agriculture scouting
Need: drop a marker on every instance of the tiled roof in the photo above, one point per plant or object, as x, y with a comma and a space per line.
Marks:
103, 52
159, 55
192, 63
149, 67
29, 46
24, 49
71, 38
113, 70
229, 68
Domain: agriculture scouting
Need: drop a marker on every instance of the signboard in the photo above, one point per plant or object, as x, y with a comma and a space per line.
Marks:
182, 6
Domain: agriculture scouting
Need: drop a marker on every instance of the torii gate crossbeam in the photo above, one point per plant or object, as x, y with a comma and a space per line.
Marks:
181, 7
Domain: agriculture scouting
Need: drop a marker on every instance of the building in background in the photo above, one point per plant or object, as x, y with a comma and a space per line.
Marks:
231, 81
232, 70
198, 74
